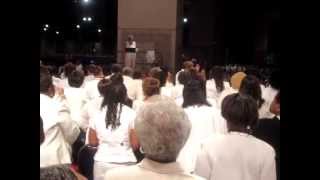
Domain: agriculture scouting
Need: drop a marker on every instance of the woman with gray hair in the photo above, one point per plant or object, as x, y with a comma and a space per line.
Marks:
162, 129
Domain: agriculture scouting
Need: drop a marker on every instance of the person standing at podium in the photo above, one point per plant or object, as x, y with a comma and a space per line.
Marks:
130, 52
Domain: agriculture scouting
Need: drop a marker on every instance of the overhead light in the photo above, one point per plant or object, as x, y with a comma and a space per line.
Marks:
47, 25
89, 19
78, 26
185, 20
99, 30
86, 1
57, 32
44, 29
84, 19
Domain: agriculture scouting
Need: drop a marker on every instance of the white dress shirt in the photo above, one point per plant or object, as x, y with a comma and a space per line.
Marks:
150, 170
224, 94
204, 122
88, 78
236, 156
59, 130
212, 89
76, 99
114, 146
91, 89
130, 86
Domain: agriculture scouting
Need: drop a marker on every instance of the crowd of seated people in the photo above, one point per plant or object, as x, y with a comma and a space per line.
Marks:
149, 124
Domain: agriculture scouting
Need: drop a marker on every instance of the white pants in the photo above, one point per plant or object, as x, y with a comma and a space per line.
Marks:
100, 168
130, 59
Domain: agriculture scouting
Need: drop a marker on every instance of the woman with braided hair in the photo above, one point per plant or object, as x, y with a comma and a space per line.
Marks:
109, 130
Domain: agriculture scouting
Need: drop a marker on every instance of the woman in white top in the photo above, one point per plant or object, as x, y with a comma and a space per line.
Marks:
251, 86
60, 131
204, 120
110, 131
237, 155
215, 85
76, 99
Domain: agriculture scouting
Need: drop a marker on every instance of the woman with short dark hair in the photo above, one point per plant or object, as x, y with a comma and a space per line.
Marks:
237, 155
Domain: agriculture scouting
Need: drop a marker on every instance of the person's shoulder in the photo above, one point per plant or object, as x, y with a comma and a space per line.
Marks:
213, 140
121, 172
263, 146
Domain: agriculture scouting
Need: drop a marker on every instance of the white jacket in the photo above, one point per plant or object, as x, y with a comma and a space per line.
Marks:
59, 130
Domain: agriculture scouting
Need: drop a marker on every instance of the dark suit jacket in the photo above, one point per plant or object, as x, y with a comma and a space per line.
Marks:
268, 130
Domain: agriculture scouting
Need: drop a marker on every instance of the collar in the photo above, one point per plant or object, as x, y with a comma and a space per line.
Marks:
239, 133
162, 168
278, 117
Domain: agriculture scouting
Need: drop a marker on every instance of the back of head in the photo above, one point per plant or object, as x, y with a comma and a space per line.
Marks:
236, 79
117, 78
240, 112
188, 65
217, 74
137, 74
251, 86
76, 79
68, 69
194, 94
91, 69
184, 77
103, 85
114, 95
127, 71
159, 74
150, 86
97, 71
116, 68
162, 129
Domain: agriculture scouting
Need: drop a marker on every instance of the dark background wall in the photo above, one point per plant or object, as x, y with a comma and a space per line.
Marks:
217, 32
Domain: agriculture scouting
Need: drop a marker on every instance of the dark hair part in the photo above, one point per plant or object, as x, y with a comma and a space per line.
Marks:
250, 86
240, 112
76, 79
193, 94
150, 86
114, 96
217, 74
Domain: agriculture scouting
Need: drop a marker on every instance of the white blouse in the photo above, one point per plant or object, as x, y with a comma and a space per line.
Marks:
76, 100
59, 130
205, 122
114, 146
236, 156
